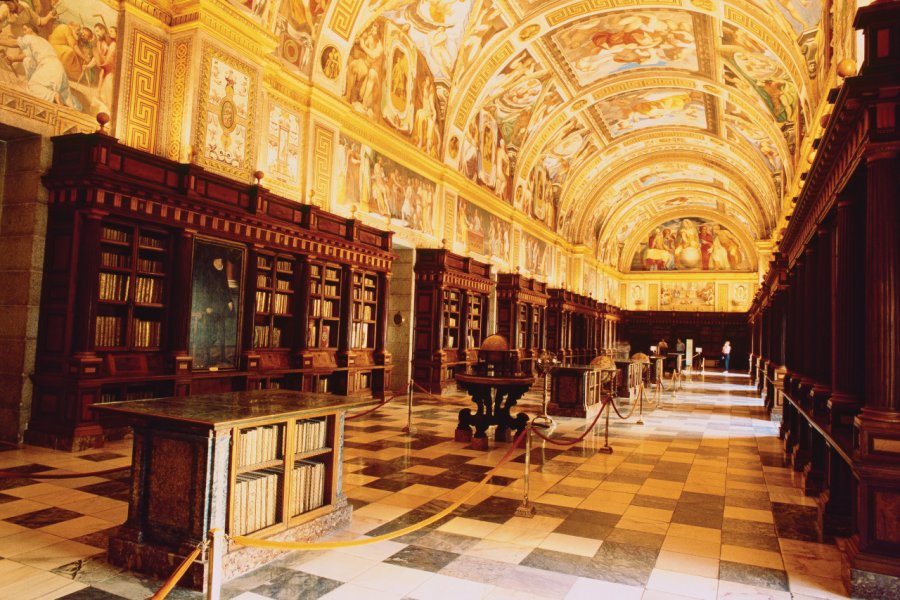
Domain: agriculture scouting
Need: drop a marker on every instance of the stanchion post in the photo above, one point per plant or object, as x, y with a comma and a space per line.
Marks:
526, 509
409, 403
214, 558
640, 420
606, 449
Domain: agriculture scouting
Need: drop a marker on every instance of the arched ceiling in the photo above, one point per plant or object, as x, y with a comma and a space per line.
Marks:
595, 116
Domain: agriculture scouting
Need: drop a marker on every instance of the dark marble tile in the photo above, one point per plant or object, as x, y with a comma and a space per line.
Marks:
388, 485
449, 461
624, 563
653, 541
573, 491
448, 542
292, 585
627, 478
796, 522
773, 579
494, 510
773, 460
42, 518
586, 529
4, 498
422, 558
16, 482
101, 456
559, 562
700, 510
447, 480
30, 468
758, 501
750, 528
760, 542
97, 539
552, 510
412, 517
654, 502
91, 593
117, 490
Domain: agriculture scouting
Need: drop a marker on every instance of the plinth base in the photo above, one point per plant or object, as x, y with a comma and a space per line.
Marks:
161, 562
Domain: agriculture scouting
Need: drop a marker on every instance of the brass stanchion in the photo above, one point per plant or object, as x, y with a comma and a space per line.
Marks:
606, 449
526, 510
409, 402
216, 552
640, 420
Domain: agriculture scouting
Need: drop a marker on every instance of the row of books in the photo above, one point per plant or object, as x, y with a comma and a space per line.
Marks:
255, 502
359, 335
114, 286
283, 285
148, 290
146, 333
363, 312
320, 308
317, 337
108, 331
259, 444
112, 234
115, 260
310, 434
284, 266
307, 486
266, 337
281, 304
148, 265
146, 241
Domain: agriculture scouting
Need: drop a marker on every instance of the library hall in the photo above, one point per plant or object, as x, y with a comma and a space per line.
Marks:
445, 299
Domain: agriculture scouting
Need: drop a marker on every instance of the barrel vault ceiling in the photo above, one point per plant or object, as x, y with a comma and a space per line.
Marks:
599, 118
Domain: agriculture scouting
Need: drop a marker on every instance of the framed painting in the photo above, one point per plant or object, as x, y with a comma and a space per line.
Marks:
216, 275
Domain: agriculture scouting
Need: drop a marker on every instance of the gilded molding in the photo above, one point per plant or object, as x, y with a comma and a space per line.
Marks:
147, 55
323, 157
578, 9
150, 9
179, 89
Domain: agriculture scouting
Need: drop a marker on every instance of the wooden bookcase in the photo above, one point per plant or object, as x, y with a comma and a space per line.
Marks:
163, 279
572, 326
521, 315
262, 463
452, 308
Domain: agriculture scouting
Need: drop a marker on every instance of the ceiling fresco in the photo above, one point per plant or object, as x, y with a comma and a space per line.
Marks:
593, 117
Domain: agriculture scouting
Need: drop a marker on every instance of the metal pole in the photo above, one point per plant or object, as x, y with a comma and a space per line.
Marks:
606, 449
640, 420
526, 510
216, 552
409, 403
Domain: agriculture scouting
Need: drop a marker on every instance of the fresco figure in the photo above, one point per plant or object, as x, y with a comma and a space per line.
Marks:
44, 73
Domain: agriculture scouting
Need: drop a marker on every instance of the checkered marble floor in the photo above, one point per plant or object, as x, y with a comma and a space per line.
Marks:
695, 503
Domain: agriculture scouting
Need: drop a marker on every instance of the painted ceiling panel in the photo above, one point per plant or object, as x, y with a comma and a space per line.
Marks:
590, 116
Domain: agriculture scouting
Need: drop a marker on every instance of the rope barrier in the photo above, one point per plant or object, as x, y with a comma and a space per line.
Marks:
175, 577
370, 410
21, 475
616, 409
427, 393
281, 545
579, 438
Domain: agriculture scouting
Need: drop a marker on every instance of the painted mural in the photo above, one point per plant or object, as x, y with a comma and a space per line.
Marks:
481, 231
755, 70
378, 185
687, 295
741, 296
436, 28
641, 109
740, 126
283, 146
492, 140
535, 255
64, 52
801, 15
295, 23
481, 27
690, 244
602, 45
227, 114
389, 80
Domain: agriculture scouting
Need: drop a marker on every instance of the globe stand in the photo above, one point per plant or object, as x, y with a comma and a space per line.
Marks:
545, 363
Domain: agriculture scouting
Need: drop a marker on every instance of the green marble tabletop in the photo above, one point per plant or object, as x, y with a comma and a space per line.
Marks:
230, 409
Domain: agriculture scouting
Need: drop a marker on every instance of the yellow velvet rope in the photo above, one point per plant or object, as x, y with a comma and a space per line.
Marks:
175, 577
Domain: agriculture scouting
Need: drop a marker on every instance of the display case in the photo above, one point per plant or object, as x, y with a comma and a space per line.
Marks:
260, 464
452, 307
572, 330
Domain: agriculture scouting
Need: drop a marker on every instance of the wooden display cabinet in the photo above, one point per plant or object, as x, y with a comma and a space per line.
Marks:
260, 464
452, 308
521, 316
164, 279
